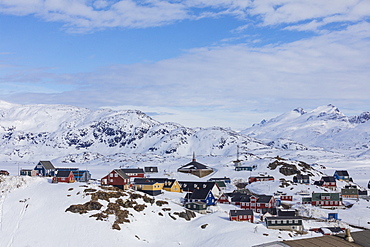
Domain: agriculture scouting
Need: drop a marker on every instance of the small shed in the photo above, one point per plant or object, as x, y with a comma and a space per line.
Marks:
199, 207
332, 216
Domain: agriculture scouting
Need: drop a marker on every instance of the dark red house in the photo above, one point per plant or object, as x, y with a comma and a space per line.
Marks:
64, 177
260, 178
241, 215
117, 178
256, 203
286, 198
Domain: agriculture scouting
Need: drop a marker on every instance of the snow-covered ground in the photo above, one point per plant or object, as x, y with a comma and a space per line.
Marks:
32, 210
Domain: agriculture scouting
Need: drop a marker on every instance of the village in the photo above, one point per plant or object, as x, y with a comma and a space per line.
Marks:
278, 210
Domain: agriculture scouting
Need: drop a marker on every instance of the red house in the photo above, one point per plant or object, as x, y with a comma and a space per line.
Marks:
260, 178
117, 178
286, 198
258, 204
241, 215
64, 177
327, 182
225, 198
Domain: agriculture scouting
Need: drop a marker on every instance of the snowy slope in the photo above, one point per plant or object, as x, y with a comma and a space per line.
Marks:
324, 127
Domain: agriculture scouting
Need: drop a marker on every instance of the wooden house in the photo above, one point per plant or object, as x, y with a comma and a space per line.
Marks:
201, 195
196, 168
82, 175
27, 172
327, 182
306, 200
168, 184
4, 173
255, 202
349, 192
286, 198
225, 198
64, 177
45, 169
152, 188
301, 179
290, 223
150, 169
116, 178
199, 207
260, 178
241, 215
326, 200
341, 175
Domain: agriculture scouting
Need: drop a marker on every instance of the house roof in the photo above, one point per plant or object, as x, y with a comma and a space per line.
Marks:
191, 186
241, 212
219, 179
63, 174
284, 218
286, 213
194, 165
328, 179
199, 194
151, 169
121, 173
328, 240
132, 170
342, 173
333, 196
349, 191
302, 176
47, 165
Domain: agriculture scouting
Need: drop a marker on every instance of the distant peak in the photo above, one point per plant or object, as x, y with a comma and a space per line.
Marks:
300, 110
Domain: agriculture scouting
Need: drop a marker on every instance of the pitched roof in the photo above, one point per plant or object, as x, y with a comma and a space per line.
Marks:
194, 165
191, 186
328, 179
132, 170
199, 194
47, 165
121, 173
342, 173
286, 213
241, 212
333, 196
63, 174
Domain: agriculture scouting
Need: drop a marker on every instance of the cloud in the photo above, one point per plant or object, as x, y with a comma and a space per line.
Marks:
227, 84
84, 16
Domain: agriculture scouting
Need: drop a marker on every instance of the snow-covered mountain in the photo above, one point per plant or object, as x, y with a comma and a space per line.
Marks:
326, 127
36, 131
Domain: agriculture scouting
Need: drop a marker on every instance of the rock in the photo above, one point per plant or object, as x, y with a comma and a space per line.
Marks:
203, 226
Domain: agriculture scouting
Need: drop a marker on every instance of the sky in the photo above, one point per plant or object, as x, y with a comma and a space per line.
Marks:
229, 63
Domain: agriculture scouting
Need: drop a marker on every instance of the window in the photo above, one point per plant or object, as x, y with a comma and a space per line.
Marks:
111, 175
272, 221
258, 204
290, 221
111, 180
296, 221
116, 175
278, 222
284, 221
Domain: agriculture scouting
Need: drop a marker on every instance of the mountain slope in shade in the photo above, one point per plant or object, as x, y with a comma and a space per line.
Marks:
50, 131
326, 127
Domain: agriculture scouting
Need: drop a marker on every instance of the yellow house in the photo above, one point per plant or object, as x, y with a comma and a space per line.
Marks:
172, 185
150, 187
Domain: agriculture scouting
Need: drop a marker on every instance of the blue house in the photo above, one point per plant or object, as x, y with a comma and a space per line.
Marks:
45, 169
342, 175
201, 195
80, 175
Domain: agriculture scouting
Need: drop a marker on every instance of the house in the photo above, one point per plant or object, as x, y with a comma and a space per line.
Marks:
199, 207
341, 175
286, 198
196, 168
286, 213
152, 188
116, 178
326, 200
349, 192
221, 185
260, 178
151, 169
171, 185
224, 179
4, 173
225, 198
362, 193
201, 195
241, 215
27, 172
291, 223
254, 202
301, 179
134, 172
306, 200
45, 169
82, 175
327, 182
190, 186
332, 216
64, 177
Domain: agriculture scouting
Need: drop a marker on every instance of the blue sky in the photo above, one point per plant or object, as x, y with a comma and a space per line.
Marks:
202, 63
